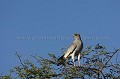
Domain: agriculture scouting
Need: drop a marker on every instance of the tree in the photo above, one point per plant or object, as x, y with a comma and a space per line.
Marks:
96, 63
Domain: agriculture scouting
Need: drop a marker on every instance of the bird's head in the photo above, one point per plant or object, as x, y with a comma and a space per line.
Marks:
76, 36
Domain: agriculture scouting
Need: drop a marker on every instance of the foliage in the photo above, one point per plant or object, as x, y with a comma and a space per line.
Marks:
96, 63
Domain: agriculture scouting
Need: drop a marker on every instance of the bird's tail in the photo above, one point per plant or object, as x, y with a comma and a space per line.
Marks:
61, 60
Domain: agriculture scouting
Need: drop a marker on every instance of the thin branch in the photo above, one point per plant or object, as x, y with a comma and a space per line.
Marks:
20, 59
111, 57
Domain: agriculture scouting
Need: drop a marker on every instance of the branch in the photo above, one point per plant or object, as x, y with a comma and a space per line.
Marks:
20, 59
96, 71
111, 57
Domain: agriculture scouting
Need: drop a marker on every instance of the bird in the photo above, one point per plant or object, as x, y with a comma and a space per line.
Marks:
73, 50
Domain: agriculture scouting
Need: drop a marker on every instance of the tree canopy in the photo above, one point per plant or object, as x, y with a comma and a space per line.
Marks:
96, 63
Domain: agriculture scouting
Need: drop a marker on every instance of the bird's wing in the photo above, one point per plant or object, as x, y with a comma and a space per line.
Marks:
70, 50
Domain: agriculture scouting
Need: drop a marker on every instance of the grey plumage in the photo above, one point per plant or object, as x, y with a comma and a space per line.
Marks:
74, 50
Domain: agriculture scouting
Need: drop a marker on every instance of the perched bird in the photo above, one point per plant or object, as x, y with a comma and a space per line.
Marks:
74, 50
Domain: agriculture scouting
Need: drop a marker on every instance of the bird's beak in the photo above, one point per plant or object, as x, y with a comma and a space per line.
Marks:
73, 35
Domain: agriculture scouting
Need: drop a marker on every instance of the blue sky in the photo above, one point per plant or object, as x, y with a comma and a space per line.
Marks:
54, 18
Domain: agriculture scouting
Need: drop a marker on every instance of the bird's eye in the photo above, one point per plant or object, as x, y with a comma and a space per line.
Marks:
75, 34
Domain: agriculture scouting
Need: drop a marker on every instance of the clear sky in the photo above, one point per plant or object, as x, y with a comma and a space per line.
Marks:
41, 26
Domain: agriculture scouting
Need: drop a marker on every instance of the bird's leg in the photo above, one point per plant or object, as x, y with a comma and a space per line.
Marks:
73, 55
79, 59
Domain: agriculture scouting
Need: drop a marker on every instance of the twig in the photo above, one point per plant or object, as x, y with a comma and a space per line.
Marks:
20, 59
111, 57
